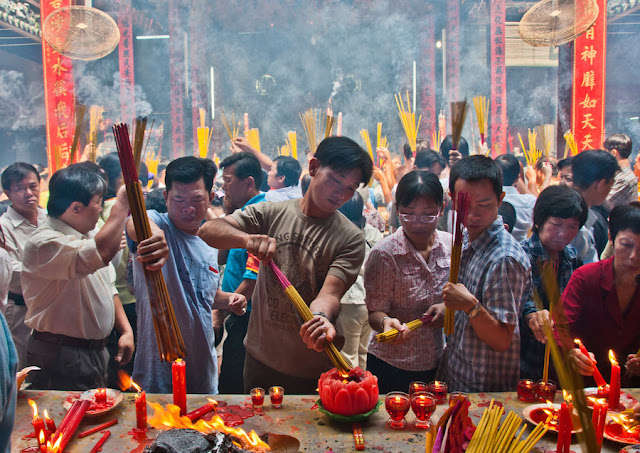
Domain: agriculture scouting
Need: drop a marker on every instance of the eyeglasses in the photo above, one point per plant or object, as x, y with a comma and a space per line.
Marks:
415, 218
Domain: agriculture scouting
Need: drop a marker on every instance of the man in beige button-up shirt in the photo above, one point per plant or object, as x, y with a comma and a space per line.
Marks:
67, 287
21, 183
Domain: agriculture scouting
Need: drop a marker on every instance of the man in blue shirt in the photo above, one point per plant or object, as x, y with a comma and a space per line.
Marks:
242, 177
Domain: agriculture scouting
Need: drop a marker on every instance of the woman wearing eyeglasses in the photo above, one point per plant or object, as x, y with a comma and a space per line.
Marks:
404, 277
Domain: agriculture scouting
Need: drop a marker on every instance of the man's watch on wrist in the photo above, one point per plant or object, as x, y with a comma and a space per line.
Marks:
474, 311
319, 313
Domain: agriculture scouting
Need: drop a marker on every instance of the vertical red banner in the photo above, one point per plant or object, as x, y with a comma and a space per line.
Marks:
177, 75
589, 70
125, 55
453, 50
59, 98
427, 73
498, 78
199, 70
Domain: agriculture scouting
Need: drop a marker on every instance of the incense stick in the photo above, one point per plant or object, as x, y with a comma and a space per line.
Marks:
482, 114
461, 207
80, 112
310, 119
458, 115
408, 120
233, 134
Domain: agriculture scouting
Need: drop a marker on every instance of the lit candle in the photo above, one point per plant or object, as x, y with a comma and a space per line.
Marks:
257, 398
37, 421
564, 429
418, 386
600, 382
439, 390
50, 424
101, 396
614, 386
42, 442
546, 390
179, 378
527, 391
397, 405
277, 395
600, 408
141, 407
339, 126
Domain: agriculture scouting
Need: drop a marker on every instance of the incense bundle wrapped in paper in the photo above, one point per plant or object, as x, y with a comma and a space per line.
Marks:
204, 135
168, 337
462, 208
408, 119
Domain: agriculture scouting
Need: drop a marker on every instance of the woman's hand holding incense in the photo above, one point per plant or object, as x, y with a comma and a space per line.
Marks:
237, 303
582, 363
153, 252
536, 321
402, 328
315, 331
633, 367
262, 246
436, 311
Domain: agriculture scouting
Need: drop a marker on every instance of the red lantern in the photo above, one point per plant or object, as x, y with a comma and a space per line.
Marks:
356, 393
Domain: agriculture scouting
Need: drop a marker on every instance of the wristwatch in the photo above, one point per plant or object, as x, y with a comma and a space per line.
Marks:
474, 311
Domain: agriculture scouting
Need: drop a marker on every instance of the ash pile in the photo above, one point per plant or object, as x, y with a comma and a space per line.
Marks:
190, 441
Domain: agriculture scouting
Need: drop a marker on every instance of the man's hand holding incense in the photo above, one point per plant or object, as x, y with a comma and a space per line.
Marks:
457, 297
241, 144
262, 246
633, 364
153, 252
536, 321
315, 331
582, 363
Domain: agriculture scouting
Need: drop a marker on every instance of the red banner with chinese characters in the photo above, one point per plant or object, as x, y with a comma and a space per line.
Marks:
589, 70
59, 99
125, 56
498, 79
427, 74
453, 50
177, 75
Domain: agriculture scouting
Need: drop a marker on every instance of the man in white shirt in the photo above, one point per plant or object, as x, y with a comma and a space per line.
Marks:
67, 287
21, 183
522, 203
284, 179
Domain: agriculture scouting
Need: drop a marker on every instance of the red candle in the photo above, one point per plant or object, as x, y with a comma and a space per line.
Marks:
179, 374
276, 394
600, 382
42, 442
101, 396
564, 430
70, 424
50, 424
141, 410
614, 391
439, 390
198, 413
37, 421
527, 391
600, 408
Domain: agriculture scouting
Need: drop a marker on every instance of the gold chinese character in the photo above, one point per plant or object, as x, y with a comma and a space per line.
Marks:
62, 131
58, 68
589, 79
588, 103
591, 33
587, 118
59, 88
62, 110
55, 3
589, 53
587, 142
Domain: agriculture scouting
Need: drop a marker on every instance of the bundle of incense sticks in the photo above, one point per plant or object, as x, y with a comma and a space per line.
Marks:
81, 109
393, 333
233, 133
138, 140
152, 161
95, 116
329, 123
408, 119
367, 142
458, 115
462, 208
436, 139
338, 360
546, 134
482, 114
310, 119
293, 143
381, 142
204, 135
570, 144
533, 153
492, 437
253, 137
284, 150
552, 307
170, 343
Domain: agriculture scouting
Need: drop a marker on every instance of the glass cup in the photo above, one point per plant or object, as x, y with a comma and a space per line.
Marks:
423, 405
257, 398
546, 391
418, 386
276, 394
454, 395
527, 391
439, 389
397, 405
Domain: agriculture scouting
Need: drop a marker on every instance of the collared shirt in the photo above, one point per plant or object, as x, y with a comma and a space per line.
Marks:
17, 231
593, 313
399, 282
66, 285
584, 242
495, 269
531, 350
523, 204
284, 194
624, 189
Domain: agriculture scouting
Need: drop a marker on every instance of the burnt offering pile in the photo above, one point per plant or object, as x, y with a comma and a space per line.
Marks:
190, 441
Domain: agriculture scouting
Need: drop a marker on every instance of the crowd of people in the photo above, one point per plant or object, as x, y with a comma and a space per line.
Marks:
368, 248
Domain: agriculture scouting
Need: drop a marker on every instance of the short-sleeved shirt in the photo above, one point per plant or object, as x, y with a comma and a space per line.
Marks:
67, 287
495, 269
192, 277
593, 312
400, 283
240, 264
523, 204
624, 189
308, 249
284, 194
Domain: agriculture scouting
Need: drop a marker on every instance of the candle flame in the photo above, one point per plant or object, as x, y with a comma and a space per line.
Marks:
179, 360
566, 395
612, 358
34, 407
46, 415
135, 386
577, 342
41, 437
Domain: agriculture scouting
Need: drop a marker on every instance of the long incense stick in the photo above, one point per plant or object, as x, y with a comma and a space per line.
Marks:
461, 208
233, 134
482, 114
81, 109
408, 119
458, 115
310, 119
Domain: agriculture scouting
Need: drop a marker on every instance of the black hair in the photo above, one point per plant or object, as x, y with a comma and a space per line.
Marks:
16, 172
304, 183
417, 184
508, 213
566, 162
551, 161
476, 168
624, 217
244, 165
559, 201
190, 169
290, 168
352, 210
619, 142
593, 165
447, 145
264, 186
155, 200
523, 161
422, 144
426, 159
510, 168
110, 163
77, 182
342, 153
